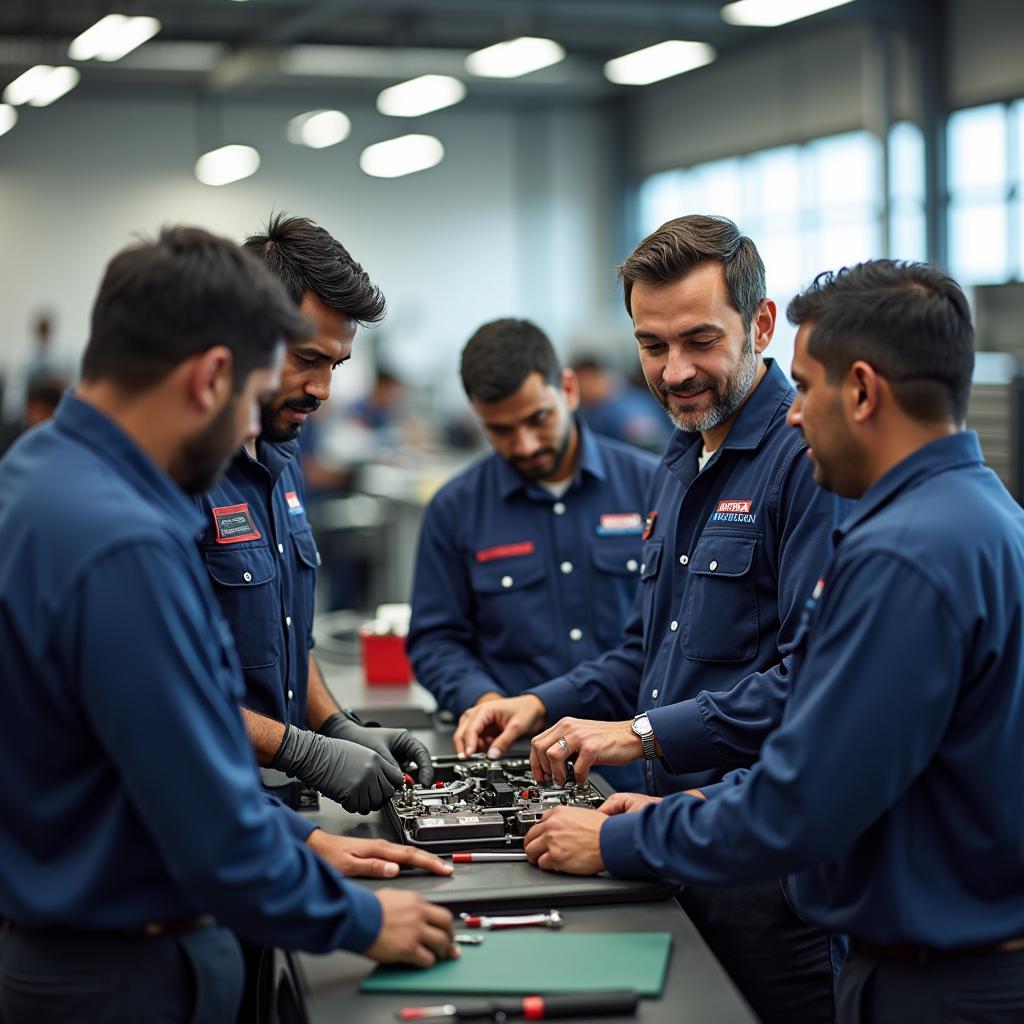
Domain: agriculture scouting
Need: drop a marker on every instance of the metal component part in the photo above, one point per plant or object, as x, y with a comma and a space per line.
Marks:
465, 939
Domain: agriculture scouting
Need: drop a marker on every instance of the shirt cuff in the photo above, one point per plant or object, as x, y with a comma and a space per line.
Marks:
684, 739
560, 698
364, 919
620, 846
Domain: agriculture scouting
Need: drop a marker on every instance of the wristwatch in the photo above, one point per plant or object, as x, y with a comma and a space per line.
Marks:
641, 726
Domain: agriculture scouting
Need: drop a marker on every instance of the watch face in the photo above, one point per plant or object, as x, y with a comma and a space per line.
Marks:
642, 726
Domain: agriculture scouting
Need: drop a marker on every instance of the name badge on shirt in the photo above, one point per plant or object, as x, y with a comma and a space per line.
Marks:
652, 518
734, 510
234, 524
620, 524
294, 505
523, 547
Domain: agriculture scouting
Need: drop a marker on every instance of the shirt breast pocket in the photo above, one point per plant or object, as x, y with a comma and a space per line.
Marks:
650, 565
616, 573
308, 561
246, 584
514, 607
720, 621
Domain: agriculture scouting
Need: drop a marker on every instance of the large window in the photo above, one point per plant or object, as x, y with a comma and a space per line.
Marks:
986, 193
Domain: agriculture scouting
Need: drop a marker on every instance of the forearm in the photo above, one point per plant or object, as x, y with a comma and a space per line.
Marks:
320, 705
265, 735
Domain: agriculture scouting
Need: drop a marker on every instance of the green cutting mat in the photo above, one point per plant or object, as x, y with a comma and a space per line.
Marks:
527, 962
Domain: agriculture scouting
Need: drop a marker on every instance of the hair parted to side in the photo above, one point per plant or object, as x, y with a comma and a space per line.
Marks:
683, 244
501, 355
305, 258
910, 321
162, 302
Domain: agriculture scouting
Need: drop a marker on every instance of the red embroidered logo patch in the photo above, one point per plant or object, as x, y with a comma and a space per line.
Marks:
234, 524
732, 505
652, 518
294, 505
523, 547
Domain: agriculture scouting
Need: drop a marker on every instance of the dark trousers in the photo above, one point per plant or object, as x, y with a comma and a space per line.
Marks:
972, 990
785, 968
91, 978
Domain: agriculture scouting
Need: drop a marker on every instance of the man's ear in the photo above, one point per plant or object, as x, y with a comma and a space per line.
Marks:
211, 378
764, 325
862, 391
571, 389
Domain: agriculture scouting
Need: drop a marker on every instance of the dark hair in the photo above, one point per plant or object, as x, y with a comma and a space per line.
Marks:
683, 244
162, 302
501, 355
45, 388
305, 258
910, 321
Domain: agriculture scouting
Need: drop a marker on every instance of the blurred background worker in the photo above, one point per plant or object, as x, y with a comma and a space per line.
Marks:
528, 561
259, 550
139, 814
890, 786
735, 536
627, 411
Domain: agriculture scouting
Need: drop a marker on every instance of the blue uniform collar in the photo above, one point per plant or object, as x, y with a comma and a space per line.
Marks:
100, 433
960, 449
752, 422
273, 457
589, 461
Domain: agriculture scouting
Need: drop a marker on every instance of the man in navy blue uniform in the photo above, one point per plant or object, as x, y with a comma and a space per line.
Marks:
736, 533
139, 813
259, 550
528, 561
890, 787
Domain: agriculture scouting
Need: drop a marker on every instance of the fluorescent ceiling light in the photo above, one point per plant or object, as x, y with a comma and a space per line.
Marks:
769, 13
421, 96
514, 57
319, 128
404, 155
112, 37
227, 164
41, 85
653, 63
8, 118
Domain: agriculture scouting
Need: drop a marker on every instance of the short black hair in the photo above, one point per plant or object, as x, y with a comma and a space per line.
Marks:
910, 321
162, 302
501, 355
305, 258
683, 244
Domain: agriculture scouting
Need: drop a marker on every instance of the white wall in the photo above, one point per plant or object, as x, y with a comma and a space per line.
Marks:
511, 223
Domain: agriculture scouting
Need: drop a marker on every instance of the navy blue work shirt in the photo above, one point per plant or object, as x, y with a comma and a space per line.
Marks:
893, 783
730, 554
514, 585
259, 550
138, 798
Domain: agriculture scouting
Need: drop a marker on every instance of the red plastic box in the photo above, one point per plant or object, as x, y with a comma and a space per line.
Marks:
384, 659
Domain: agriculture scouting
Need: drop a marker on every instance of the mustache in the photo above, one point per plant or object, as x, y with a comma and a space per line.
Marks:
691, 387
306, 405
542, 453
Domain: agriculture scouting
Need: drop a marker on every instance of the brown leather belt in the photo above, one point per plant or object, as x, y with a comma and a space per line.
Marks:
926, 954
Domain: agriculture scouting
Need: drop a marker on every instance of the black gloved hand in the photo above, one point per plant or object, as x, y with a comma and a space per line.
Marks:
398, 745
351, 773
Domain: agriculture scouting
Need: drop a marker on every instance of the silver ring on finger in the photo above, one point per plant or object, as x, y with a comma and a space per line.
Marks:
563, 743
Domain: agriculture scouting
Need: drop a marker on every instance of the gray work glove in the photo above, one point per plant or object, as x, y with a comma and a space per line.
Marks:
353, 774
396, 745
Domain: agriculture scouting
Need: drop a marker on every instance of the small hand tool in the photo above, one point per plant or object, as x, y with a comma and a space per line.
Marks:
552, 919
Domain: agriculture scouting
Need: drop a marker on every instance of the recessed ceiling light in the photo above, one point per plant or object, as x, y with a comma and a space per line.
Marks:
769, 13
663, 60
514, 57
404, 155
112, 37
227, 164
319, 128
8, 118
41, 85
421, 96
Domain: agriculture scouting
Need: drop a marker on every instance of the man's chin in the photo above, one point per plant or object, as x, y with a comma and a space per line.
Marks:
277, 431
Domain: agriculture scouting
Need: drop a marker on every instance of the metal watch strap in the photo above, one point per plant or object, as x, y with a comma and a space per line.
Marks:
650, 745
